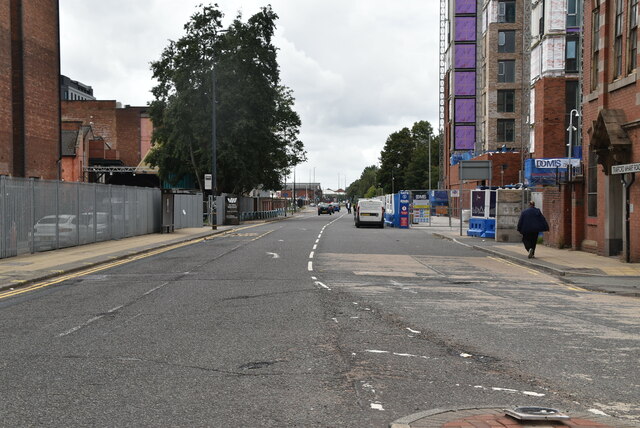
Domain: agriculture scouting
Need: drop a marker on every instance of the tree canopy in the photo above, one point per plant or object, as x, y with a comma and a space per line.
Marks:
404, 163
257, 126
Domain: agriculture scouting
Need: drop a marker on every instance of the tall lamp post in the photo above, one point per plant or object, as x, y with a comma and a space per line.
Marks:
214, 122
571, 130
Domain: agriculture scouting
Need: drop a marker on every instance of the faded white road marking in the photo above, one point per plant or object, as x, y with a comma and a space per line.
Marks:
321, 284
311, 255
413, 331
78, 327
377, 406
310, 266
274, 255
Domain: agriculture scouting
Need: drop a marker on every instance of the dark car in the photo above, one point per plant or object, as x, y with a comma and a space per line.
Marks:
324, 208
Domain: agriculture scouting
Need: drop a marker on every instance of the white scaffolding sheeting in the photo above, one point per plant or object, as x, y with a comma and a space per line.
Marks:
557, 15
532, 106
535, 63
553, 55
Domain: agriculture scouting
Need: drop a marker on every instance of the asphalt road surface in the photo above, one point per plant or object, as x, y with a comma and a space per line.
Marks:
311, 322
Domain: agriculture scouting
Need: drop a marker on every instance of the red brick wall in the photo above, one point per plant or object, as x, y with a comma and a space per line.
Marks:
101, 115
611, 93
6, 127
120, 128
550, 107
557, 211
41, 58
129, 134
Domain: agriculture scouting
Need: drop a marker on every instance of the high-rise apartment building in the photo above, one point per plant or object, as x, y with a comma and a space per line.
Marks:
486, 82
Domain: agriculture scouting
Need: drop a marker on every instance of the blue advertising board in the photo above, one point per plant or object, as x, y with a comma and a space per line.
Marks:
544, 171
403, 209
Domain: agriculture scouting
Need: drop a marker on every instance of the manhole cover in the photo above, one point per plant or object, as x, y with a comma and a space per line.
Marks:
536, 414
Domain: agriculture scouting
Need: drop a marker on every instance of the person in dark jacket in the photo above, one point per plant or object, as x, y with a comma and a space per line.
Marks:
531, 223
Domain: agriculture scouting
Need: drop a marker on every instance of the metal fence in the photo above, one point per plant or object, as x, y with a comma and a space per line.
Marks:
39, 215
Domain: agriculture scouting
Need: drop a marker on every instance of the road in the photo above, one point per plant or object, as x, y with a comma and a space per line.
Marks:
312, 322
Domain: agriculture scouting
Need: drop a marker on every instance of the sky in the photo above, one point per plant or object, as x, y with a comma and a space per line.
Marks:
359, 69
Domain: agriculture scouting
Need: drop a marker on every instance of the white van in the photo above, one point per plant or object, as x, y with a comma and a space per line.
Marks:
369, 212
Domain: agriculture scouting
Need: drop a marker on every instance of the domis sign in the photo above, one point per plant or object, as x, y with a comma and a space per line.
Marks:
556, 163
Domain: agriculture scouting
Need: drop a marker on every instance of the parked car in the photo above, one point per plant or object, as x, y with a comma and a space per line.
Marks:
336, 206
44, 231
369, 212
324, 208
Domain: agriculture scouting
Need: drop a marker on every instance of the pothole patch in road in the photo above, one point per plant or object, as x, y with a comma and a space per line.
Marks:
257, 365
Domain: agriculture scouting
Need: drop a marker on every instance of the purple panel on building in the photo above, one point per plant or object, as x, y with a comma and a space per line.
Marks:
465, 137
465, 28
465, 6
465, 83
465, 56
465, 110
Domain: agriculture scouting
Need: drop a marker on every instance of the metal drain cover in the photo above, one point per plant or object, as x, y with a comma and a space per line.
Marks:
531, 413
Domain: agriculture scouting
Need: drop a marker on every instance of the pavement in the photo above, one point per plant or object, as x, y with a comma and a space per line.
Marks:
589, 271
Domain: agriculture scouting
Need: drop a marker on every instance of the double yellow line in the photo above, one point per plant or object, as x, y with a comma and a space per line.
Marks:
101, 267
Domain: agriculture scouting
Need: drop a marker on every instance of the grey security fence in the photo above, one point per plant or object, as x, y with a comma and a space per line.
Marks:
39, 215
187, 211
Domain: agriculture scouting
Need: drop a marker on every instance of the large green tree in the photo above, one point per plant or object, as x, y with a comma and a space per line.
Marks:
257, 127
362, 186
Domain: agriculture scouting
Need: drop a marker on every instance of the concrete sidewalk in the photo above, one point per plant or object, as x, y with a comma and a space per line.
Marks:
598, 273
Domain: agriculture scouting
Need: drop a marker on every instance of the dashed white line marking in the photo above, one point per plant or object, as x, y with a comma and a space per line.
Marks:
413, 331
155, 288
115, 309
335, 319
311, 255
315, 246
310, 266
317, 240
321, 284
78, 327
314, 278
377, 406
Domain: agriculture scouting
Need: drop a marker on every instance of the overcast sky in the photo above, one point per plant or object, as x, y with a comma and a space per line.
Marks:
359, 69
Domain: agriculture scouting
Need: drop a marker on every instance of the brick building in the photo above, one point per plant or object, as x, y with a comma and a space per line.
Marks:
606, 206
121, 138
29, 88
485, 88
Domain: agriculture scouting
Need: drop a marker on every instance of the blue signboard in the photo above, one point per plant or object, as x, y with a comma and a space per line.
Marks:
545, 171
403, 209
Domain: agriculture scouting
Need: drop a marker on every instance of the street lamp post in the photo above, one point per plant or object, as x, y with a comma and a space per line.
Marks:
571, 129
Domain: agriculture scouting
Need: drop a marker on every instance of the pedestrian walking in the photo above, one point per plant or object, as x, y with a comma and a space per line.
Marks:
531, 223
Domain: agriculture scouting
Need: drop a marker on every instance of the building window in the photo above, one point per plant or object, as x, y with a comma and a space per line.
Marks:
506, 100
595, 43
507, 41
592, 185
633, 34
506, 130
571, 55
617, 43
507, 11
573, 13
506, 71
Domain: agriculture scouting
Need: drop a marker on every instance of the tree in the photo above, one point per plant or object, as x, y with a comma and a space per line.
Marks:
394, 160
367, 180
257, 127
